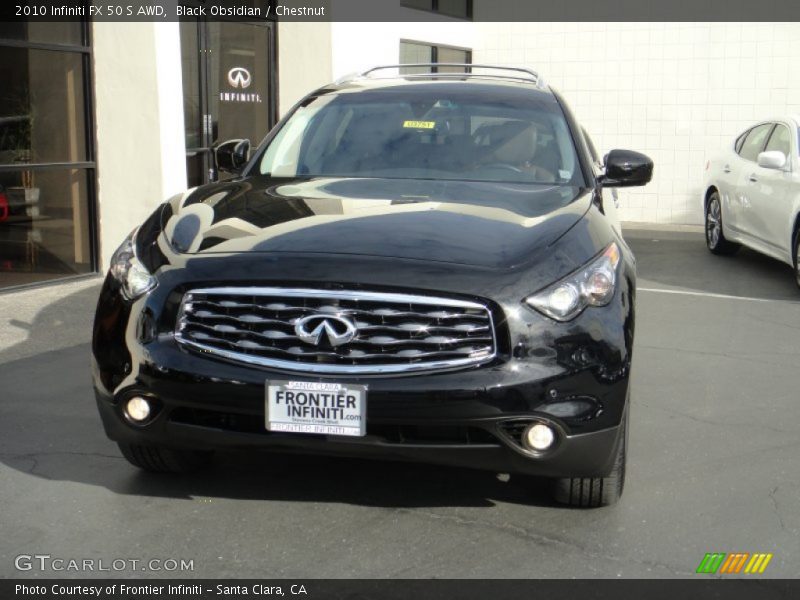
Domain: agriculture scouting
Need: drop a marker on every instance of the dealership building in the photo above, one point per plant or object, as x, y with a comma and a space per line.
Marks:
100, 122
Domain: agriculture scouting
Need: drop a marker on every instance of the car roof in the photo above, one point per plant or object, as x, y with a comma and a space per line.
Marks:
791, 119
449, 73
778, 118
481, 84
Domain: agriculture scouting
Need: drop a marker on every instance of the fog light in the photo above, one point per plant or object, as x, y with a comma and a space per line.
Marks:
137, 409
539, 437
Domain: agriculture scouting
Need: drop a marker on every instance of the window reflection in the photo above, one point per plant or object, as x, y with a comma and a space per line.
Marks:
66, 32
226, 88
417, 52
41, 106
44, 225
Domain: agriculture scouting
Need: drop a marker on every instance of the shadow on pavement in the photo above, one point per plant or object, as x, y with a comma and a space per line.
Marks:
49, 428
681, 260
64, 322
338, 480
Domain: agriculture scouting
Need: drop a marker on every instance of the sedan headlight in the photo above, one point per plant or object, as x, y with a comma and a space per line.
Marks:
133, 277
591, 285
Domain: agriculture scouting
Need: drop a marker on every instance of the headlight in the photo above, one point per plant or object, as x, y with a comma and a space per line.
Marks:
133, 277
591, 285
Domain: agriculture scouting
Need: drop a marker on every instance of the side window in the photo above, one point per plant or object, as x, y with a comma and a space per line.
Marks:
740, 140
755, 141
780, 140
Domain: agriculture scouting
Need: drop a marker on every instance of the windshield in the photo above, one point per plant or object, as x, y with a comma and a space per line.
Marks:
427, 134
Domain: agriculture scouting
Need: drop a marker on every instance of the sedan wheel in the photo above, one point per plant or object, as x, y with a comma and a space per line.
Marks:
797, 259
715, 238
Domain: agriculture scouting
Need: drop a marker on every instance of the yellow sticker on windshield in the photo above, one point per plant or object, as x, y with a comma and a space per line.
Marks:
419, 124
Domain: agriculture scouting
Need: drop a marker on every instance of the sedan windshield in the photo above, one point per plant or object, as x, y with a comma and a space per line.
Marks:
427, 133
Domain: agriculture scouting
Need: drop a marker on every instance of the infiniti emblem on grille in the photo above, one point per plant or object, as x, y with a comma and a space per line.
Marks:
337, 329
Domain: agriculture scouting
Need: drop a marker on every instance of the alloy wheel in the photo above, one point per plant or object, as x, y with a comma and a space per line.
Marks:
713, 222
797, 260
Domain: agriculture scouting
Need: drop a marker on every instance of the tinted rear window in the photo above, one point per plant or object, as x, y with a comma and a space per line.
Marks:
429, 133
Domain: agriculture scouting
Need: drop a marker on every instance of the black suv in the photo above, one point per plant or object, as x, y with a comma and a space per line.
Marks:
413, 266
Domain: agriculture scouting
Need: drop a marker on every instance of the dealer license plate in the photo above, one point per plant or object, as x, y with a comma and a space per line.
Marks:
311, 407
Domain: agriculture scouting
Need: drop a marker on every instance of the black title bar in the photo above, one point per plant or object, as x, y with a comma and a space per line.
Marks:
393, 10
404, 589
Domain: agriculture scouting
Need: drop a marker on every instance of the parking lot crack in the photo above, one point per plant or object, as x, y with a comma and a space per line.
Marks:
526, 534
776, 507
34, 464
57, 452
34, 457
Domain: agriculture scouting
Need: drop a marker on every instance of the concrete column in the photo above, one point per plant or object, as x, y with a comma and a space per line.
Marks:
139, 117
304, 60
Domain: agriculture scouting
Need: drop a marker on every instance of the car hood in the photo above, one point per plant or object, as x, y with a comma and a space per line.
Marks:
474, 223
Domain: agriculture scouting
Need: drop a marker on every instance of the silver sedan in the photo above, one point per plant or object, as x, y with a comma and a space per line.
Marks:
751, 195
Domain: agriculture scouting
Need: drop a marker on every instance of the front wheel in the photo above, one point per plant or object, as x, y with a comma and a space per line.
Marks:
592, 492
159, 459
797, 257
715, 238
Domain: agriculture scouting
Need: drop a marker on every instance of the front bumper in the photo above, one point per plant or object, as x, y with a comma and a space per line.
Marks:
573, 376
472, 443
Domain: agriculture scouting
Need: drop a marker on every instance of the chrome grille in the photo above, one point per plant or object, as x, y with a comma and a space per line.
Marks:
395, 332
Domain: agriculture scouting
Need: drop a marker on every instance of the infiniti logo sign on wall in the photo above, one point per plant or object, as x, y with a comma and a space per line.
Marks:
239, 77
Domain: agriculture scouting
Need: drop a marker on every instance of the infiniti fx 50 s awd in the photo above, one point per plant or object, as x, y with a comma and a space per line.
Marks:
752, 193
418, 267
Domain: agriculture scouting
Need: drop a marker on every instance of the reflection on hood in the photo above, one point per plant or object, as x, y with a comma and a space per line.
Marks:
487, 224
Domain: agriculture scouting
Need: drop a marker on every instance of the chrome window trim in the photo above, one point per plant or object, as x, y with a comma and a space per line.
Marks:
376, 369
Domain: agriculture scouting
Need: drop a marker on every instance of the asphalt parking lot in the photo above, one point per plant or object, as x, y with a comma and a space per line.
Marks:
713, 459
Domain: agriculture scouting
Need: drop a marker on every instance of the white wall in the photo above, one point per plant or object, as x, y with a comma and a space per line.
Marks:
304, 60
139, 116
359, 46
678, 92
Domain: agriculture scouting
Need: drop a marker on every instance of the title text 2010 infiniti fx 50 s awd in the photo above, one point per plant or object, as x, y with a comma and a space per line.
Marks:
421, 267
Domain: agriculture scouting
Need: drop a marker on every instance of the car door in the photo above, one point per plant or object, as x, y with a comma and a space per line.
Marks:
725, 177
770, 195
740, 216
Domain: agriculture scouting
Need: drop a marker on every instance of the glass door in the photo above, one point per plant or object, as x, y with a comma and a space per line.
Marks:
228, 88
47, 168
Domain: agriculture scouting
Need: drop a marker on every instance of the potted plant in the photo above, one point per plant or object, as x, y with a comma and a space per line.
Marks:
27, 194
16, 134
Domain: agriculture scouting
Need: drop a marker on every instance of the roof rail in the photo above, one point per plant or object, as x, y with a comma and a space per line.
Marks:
519, 73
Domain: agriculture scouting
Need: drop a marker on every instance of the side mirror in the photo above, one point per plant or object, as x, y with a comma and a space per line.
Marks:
774, 159
626, 168
232, 156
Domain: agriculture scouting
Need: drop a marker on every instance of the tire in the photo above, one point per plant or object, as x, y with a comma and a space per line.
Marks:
715, 238
158, 459
593, 492
797, 258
